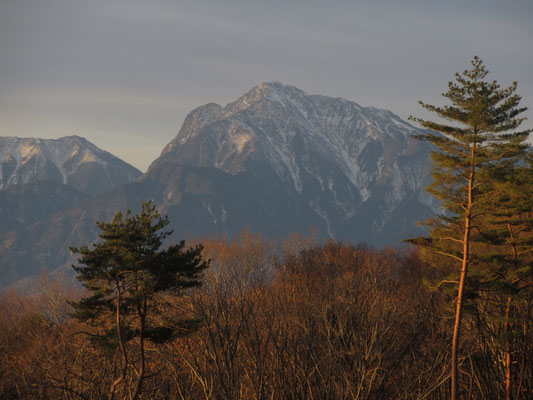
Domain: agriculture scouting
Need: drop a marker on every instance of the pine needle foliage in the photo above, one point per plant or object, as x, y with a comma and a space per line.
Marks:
474, 134
127, 275
506, 229
506, 234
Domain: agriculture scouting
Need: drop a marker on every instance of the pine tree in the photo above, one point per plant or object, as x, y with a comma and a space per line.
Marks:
126, 273
481, 115
508, 231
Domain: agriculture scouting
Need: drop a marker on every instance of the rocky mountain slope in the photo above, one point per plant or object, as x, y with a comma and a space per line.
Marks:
280, 160
70, 160
40, 178
276, 161
24, 204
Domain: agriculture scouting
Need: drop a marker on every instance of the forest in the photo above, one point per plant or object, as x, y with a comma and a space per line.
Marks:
291, 319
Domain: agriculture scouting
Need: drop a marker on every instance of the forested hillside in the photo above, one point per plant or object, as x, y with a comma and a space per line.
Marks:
288, 319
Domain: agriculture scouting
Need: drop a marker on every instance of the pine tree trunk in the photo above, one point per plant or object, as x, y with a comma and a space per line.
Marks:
122, 376
459, 309
140, 377
462, 280
508, 360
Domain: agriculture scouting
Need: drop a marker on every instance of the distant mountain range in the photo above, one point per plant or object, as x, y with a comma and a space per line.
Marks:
70, 160
276, 161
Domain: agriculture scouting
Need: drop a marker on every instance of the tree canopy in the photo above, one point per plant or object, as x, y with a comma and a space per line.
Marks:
126, 274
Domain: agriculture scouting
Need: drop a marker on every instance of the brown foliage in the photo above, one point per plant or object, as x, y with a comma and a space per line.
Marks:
278, 320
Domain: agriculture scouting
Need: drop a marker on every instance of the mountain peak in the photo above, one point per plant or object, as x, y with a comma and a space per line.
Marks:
274, 86
266, 92
279, 88
71, 160
73, 138
284, 127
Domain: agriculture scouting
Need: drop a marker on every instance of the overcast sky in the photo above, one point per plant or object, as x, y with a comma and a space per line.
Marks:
125, 73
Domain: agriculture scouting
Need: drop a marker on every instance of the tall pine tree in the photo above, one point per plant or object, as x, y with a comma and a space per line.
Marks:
473, 134
126, 273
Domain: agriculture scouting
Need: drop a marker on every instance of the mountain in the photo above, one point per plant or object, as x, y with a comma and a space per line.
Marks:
45, 244
39, 180
279, 160
70, 160
275, 161
23, 205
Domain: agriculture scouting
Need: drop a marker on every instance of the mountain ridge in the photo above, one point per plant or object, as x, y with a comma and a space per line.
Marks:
232, 137
276, 161
71, 160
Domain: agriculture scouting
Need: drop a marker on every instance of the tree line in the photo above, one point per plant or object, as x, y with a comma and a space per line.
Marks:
292, 319
286, 320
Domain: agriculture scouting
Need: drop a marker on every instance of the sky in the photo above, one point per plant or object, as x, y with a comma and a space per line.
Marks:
125, 73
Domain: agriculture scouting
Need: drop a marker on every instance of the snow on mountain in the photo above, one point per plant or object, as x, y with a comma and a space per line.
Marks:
71, 160
340, 158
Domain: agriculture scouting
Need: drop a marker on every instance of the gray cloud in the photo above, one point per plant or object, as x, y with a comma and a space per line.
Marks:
125, 73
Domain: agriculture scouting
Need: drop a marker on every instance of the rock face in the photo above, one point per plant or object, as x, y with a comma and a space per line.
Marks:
279, 161
70, 160
276, 161
23, 205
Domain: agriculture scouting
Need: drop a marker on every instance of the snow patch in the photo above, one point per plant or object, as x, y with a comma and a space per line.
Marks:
324, 216
18, 151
